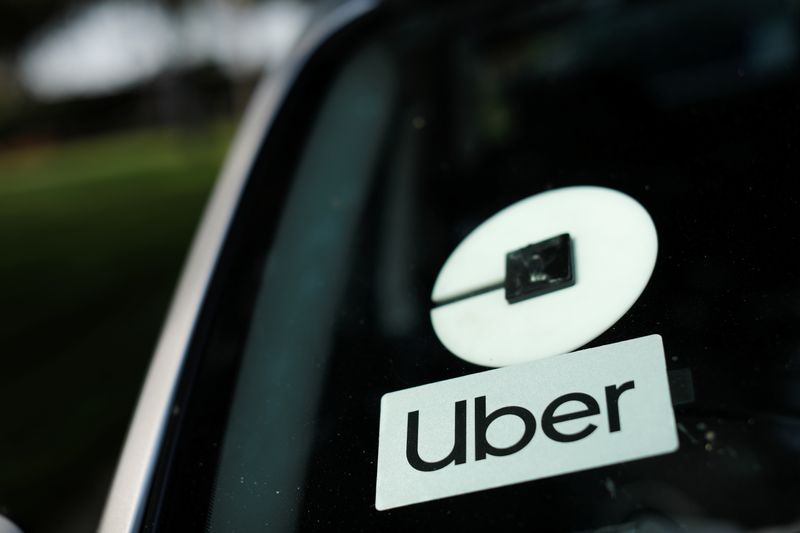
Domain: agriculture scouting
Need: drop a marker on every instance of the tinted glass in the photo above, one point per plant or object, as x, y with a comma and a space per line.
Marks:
425, 127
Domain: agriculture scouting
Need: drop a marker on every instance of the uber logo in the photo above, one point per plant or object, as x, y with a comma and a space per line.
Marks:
458, 455
549, 417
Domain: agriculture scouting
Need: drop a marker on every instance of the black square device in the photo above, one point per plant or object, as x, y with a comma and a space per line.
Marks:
539, 268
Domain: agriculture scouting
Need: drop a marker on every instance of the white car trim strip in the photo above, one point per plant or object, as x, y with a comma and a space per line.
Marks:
128, 496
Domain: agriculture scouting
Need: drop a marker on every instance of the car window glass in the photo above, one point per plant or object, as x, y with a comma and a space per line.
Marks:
435, 122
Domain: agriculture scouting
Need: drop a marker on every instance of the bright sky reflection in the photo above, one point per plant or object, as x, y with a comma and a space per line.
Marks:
117, 43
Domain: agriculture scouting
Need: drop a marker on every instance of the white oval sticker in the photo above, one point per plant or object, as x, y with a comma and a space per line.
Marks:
598, 273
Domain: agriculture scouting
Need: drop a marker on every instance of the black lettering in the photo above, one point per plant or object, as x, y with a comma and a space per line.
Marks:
458, 455
482, 422
613, 392
549, 419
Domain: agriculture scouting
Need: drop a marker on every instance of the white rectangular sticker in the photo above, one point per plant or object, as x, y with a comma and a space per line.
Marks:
545, 418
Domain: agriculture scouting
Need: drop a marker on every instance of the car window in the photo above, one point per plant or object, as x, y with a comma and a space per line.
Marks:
429, 125
306, 278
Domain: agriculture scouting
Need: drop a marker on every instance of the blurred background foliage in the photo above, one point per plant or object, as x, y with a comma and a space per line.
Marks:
114, 120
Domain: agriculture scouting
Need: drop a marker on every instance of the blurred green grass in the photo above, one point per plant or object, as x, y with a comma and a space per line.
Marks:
92, 235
